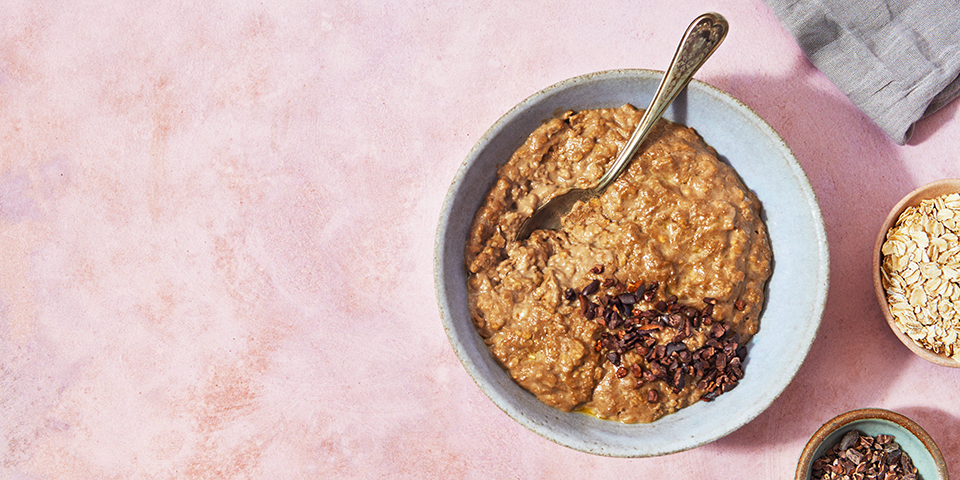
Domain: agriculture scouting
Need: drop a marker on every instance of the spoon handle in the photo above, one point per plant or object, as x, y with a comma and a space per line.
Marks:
702, 37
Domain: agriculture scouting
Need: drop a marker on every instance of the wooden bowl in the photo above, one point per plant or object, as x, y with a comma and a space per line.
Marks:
931, 190
911, 437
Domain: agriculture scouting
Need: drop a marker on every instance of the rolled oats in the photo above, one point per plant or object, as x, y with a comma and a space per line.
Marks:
921, 273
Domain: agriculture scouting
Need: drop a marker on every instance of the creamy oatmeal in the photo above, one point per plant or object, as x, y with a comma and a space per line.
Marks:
642, 303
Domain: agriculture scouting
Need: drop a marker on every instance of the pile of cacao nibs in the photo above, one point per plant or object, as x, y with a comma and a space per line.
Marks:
637, 317
860, 457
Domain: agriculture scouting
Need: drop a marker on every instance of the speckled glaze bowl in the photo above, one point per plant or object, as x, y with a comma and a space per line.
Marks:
912, 199
912, 438
796, 291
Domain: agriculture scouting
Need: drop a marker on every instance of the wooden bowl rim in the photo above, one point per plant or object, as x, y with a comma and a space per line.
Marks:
844, 419
930, 190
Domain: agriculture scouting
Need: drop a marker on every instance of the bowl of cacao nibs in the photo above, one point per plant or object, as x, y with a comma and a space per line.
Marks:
871, 443
916, 271
789, 318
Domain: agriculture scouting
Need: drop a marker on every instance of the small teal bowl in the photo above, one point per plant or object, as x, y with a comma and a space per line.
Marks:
912, 438
796, 291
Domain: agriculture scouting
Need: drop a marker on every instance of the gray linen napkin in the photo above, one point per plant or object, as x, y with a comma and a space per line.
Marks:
897, 60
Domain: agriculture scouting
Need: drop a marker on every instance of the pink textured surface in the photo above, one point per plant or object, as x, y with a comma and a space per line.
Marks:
217, 223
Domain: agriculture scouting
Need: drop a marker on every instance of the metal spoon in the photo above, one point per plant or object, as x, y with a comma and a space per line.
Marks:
702, 37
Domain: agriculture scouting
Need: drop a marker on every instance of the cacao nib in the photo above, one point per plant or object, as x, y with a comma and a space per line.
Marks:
627, 298
860, 456
614, 358
653, 396
714, 368
675, 347
591, 288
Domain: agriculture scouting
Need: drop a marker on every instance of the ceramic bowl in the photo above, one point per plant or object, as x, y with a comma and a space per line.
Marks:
796, 291
912, 438
931, 190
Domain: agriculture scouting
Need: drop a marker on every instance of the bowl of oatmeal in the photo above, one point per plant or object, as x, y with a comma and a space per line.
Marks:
916, 271
664, 315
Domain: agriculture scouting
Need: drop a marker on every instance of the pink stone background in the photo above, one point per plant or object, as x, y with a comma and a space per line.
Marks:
217, 221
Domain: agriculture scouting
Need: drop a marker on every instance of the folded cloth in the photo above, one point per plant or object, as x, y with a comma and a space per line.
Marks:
897, 60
